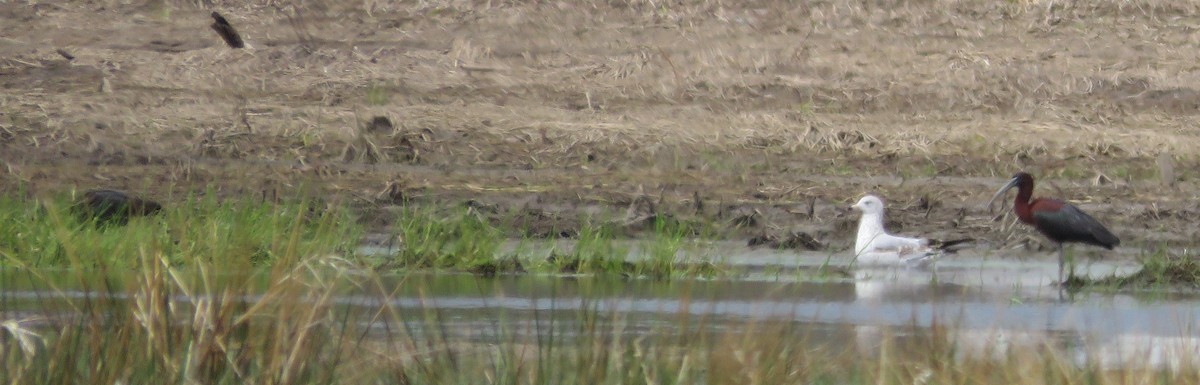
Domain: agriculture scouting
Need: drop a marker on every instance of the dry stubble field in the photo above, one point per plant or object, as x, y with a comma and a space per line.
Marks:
784, 112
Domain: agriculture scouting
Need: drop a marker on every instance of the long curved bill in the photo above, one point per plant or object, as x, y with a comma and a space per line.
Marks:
1011, 183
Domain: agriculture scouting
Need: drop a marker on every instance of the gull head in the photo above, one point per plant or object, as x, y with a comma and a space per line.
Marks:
869, 204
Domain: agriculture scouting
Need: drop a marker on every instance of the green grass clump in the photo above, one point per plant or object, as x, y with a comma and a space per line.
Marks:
233, 233
595, 252
1160, 270
458, 240
461, 239
378, 95
598, 251
662, 251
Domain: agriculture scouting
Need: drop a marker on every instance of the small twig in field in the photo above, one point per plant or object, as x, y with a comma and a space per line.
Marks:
65, 54
244, 116
674, 71
296, 20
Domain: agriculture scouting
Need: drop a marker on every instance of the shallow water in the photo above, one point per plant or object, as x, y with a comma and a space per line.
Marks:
989, 304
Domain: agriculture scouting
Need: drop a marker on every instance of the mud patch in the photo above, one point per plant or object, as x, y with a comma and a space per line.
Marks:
509, 265
647, 269
48, 75
1140, 94
795, 240
542, 224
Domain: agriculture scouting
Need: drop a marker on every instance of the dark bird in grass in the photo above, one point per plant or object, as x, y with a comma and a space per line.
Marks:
1059, 221
223, 28
104, 207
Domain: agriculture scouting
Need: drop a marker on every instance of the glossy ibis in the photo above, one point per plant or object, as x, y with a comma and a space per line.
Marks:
874, 246
106, 207
1059, 221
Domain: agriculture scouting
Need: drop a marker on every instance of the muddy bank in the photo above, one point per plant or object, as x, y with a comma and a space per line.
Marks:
763, 120
762, 208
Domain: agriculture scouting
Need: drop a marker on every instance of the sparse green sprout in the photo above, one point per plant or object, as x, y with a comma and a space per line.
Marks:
378, 95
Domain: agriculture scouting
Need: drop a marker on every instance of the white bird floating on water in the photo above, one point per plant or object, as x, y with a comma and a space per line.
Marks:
874, 246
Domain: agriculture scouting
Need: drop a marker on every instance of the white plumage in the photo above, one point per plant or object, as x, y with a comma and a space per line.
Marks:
874, 246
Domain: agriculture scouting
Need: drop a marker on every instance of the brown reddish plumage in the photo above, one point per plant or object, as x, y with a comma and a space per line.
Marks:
1059, 221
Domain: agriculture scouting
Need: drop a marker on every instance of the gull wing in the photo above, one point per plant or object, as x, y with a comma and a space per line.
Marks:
888, 242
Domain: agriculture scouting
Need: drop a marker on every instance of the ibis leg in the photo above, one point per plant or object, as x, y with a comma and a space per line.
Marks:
1061, 259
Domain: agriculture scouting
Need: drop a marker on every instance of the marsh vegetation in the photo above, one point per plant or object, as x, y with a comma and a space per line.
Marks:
611, 145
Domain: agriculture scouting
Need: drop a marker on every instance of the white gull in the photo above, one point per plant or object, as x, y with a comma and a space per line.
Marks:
874, 246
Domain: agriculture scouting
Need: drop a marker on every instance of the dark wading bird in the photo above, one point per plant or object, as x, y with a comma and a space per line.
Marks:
1059, 221
106, 207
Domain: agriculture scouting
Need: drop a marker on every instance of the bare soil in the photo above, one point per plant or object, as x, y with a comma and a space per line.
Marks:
767, 117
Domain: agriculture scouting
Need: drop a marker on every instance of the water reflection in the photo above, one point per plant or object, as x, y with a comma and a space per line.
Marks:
986, 308
992, 321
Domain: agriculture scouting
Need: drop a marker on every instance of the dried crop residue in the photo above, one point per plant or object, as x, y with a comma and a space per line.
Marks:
563, 110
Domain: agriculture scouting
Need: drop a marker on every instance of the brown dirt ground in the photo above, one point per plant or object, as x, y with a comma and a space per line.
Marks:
783, 112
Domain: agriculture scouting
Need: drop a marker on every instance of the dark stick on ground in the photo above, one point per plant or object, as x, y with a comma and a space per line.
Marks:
113, 207
65, 54
223, 28
952, 246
